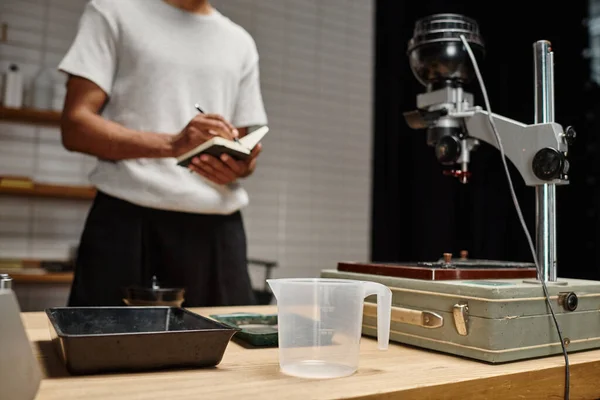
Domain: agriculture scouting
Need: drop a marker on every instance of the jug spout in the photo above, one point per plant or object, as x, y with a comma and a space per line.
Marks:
275, 286
384, 311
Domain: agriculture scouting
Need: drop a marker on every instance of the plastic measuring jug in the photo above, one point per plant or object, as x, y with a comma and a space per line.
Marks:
320, 324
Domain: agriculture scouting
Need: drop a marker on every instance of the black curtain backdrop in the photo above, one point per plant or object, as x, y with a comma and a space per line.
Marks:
418, 213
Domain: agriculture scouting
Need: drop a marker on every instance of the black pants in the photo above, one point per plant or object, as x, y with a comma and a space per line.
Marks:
124, 244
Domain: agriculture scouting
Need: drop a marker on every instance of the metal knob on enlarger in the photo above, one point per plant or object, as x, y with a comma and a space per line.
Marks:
5, 281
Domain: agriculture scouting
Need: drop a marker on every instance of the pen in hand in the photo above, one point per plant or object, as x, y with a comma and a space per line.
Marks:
202, 112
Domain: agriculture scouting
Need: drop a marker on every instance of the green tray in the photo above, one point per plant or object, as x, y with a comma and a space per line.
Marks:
259, 330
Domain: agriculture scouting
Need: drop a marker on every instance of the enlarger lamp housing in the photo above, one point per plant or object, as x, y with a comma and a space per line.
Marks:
436, 53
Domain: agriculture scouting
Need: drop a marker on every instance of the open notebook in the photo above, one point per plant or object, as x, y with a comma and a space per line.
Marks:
215, 147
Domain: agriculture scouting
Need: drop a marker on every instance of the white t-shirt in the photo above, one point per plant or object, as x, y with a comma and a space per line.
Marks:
155, 62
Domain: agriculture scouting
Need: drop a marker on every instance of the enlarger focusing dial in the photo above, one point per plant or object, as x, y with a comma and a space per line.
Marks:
549, 164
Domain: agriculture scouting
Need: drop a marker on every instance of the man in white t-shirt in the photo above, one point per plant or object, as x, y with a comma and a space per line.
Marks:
136, 70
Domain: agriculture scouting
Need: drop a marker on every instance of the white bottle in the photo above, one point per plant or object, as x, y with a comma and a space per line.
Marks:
13, 87
59, 91
42, 90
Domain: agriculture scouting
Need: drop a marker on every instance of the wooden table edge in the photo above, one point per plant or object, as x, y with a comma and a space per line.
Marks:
540, 384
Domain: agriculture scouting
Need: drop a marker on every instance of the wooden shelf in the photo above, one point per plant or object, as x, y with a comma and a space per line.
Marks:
30, 116
53, 191
47, 277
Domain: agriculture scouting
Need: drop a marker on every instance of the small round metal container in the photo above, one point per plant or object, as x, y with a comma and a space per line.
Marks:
154, 296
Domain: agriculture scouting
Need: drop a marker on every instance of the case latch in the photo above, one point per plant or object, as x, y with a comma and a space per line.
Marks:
461, 318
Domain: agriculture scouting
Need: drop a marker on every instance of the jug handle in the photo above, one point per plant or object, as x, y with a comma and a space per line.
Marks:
384, 311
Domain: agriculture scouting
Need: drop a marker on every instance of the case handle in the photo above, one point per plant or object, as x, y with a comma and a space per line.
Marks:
424, 319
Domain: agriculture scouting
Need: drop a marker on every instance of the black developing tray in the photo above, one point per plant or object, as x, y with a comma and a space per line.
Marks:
119, 339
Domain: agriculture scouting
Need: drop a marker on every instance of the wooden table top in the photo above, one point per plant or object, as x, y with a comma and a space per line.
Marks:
399, 372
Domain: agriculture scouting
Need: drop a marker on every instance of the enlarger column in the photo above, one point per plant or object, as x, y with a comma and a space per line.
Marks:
545, 194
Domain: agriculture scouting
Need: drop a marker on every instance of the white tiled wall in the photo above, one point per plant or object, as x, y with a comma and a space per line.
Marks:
310, 196
39, 33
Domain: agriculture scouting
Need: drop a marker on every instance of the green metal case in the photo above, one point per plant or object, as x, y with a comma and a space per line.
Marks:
494, 321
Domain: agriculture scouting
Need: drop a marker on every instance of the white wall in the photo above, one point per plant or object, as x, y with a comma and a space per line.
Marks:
39, 33
310, 196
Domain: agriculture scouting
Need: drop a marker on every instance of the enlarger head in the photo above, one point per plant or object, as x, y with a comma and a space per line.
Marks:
436, 54
441, 63
444, 55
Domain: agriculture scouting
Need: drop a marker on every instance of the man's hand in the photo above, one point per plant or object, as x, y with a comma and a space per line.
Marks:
226, 169
200, 129
84, 130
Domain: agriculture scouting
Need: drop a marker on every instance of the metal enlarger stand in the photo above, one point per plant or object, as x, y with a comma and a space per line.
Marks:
546, 193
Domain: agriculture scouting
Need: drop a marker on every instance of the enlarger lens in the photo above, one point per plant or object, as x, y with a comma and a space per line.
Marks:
447, 149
